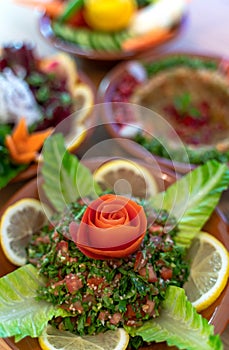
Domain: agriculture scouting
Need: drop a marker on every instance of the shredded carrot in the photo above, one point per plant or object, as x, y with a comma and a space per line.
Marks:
53, 8
22, 146
149, 39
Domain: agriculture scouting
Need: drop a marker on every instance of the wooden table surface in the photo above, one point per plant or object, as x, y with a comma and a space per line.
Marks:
206, 31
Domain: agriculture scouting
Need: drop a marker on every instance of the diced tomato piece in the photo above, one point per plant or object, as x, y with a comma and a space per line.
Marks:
156, 228
139, 261
130, 313
117, 277
103, 315
166, 273
62, 248
44, 240
95, 281
77, 306
149, 272
148, 307
160, 262
88, 298
73, 283
57, 284
116, 318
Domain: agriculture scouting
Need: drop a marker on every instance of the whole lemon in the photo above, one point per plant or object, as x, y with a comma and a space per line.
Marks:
109, 15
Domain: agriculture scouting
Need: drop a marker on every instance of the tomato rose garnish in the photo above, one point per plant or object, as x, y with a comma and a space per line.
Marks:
112, 227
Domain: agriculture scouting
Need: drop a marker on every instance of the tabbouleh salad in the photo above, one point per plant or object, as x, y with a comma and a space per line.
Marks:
105, 294
87, 286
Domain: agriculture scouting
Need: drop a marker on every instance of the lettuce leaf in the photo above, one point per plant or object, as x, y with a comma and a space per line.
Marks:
193, 198
65, 178
179, 325
20, 313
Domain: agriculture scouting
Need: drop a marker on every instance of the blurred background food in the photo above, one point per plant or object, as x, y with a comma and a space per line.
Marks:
36, 95
108, 30
190, 92
42, 90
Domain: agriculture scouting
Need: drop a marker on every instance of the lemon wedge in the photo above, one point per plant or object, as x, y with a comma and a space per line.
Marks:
83, 96
18, 223
209, 270
83, 104
54, 339
126, 177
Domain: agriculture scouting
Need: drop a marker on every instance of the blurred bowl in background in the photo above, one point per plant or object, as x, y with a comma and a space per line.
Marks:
96, 47
190, 92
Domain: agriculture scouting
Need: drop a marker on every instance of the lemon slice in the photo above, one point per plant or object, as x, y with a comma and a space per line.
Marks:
209, 270
18, 223
53, 339
83, 100
126, 177
82, 94
83, 103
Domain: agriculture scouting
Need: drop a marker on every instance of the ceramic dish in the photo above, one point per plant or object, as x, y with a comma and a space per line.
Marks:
52, 87
45, 25
151, 84
216, 226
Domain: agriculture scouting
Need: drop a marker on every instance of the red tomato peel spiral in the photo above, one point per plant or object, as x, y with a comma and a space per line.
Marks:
112, 227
